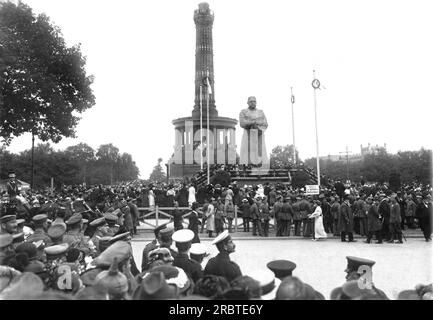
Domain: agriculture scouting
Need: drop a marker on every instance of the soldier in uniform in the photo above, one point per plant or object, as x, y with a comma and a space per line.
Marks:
56, 233
101, 230
384, 212
40, 231
395, 221
305, 209
8, 224
357, 268
278, 214
265, 216
154, 244
287, 211
335, 212
74, 236
13, 188
296, 215
6, 248
255, 216
346, 220
245, 209
194, 221
113, 227
221, 265
373, 220
192, 268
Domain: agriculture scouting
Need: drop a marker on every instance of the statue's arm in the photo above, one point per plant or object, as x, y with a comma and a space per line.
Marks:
244, 121
262, 123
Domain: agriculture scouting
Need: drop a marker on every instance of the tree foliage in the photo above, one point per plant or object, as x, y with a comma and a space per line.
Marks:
403, 167
283, 155
158, 174
43, 82
74, 165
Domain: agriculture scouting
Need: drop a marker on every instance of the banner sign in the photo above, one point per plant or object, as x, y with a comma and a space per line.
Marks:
311, 189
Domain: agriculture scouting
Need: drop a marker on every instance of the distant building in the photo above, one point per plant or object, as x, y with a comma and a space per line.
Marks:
355, 157
372, 149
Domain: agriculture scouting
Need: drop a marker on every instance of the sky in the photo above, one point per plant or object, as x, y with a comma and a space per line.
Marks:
373, 58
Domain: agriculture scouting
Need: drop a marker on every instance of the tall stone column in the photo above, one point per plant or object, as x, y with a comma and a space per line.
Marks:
203, 18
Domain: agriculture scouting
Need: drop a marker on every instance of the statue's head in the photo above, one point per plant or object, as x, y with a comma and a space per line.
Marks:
252, 102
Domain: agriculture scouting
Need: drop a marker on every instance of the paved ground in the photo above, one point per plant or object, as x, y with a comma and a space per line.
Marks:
322, 263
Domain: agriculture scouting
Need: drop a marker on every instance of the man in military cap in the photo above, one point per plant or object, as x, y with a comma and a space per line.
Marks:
395, 221
100, 225
155, 243
113, 227
373, 221
296, 215
281, 268
357, 268
287, 216
278, 214
13, 186
384, 212
8, 224
346, 220
74, 236
335, 212
305, 209
40, 231
221, 265
246, 215
56, 232
183, 239
6, 248
424, 214
255, 216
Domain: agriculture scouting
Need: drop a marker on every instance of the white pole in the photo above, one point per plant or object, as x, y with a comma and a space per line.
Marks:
316, 85
292, 99
201, 131
208, 140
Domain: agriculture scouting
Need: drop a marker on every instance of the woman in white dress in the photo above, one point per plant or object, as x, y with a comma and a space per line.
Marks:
191, 195
319, 231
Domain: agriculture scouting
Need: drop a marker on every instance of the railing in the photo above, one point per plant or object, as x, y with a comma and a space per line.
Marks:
159, 211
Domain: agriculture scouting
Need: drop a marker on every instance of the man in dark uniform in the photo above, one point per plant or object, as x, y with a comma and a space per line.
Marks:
296, 215
305, 209
424, 214
8, 224
278, 214
221, 265
154, 244
113, 227
395, 221
287, 217
335, 212
357, 268
192, 268
346, 220
245, 209
255, 216
373, 221
74, 236
40, 231
384, 211
12, 185
194, 221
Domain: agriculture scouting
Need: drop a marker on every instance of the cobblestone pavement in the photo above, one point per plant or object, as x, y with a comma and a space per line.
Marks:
322, 263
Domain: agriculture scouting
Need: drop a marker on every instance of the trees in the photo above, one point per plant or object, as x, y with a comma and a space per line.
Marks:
157, 174
43, 82
282, 155
75, 165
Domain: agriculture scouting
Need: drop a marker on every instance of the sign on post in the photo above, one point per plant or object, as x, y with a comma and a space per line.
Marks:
312, 189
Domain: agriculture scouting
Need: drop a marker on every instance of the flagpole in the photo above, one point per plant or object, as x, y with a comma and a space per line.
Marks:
209, 92
316, 85
208, 140
201, 130
293, 126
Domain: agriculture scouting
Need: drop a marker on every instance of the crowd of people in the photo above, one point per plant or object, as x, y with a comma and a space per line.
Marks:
76, 243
